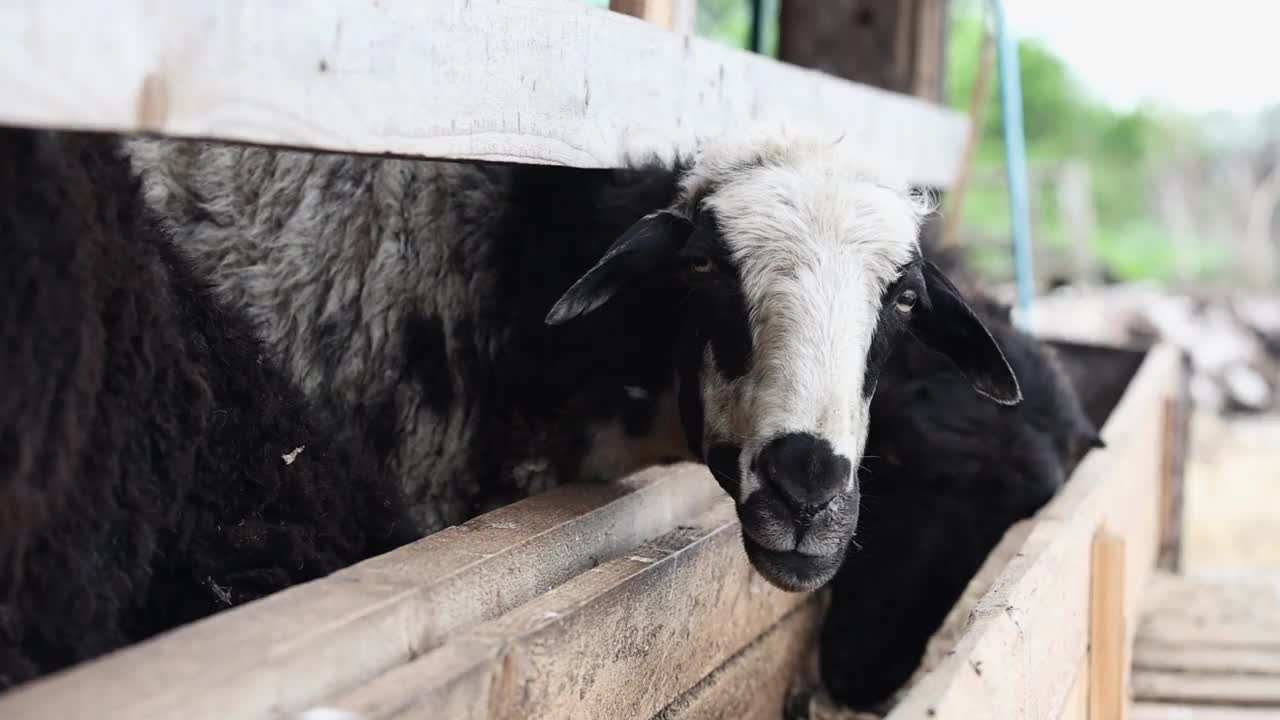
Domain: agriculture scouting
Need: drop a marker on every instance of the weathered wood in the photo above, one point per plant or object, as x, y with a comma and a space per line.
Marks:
1224, 635
1242, 690
1173, 475
1148, 655
753, 684
676, 15
1108, 661
898, 45
312, 640
1076, 705
621, 640
1177, 711
1028, 636
535, 81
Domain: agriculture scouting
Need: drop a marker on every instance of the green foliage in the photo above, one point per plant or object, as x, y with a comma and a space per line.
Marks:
1062, 122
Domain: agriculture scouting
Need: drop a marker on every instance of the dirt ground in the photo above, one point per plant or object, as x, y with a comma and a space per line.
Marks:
1232, 501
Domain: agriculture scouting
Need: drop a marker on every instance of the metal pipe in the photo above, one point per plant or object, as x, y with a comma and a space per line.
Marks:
1015, 161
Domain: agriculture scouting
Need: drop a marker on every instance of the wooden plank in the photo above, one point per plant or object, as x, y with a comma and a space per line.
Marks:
753, 684
297, 646
622, 640
1177, 711
1029, 634
1076, 706
679, 16
899, 45
1149, 655
1210, 635
1108, 661
1254, 690
1177, 446
530, 81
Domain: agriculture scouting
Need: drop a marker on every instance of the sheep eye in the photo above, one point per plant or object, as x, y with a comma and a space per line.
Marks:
906, 300
702, 265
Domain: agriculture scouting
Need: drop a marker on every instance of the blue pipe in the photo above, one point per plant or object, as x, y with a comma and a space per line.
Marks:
1015, 161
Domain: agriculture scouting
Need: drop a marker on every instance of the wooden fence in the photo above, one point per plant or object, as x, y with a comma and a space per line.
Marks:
627, 600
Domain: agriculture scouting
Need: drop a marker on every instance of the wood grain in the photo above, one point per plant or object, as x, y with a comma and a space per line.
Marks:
312, 640
622, 640
1108, 654
529, 81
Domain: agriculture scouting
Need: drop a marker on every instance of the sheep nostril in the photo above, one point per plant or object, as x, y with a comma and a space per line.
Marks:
805, 471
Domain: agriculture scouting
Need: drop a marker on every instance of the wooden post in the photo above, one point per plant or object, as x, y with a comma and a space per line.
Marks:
977, 117
679, 16
1177, 432
898, 45
1075, 201
1108, 661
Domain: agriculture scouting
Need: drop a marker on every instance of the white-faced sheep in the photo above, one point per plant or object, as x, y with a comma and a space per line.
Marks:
143, 431
736, 310
945, 476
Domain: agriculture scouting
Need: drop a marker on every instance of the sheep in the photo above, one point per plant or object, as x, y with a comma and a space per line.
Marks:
945, 478
155, 466
733, 308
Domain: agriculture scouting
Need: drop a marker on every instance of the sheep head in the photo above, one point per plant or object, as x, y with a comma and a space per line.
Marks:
800, 272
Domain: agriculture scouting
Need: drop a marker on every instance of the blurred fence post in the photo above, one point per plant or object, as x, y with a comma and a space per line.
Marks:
676, 15
1079, 219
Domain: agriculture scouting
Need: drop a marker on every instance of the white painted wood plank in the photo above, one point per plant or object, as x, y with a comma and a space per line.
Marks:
532, 81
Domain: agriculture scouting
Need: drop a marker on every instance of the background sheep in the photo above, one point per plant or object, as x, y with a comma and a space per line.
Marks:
142, 429
946, 476
734, 310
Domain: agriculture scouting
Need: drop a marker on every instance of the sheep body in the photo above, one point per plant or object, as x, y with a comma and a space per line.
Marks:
142, 428
397, 293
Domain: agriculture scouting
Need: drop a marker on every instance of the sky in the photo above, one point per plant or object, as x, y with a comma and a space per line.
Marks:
1198, 57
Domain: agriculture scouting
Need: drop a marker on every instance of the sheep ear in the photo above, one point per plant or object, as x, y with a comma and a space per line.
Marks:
648, 243
948, 325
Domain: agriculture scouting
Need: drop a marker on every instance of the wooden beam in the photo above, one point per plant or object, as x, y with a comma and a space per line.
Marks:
1211, 634
1029, 635
1193, 688
898, 45
622, 640
310, 641
679, 16
1177, 444
1108, 659
1148, 655
753, 684
1180, 711
536, 81
1076, 704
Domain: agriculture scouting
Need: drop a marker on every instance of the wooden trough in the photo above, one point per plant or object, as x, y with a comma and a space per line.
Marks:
635, 600
629, 600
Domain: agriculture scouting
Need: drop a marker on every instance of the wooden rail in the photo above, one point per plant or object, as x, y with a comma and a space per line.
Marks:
531, 81
296, 647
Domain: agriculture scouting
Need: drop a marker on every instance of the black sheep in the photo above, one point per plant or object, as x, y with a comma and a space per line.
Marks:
944, 476
144, 481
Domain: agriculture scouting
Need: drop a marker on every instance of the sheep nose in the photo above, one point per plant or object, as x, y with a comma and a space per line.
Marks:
804, 470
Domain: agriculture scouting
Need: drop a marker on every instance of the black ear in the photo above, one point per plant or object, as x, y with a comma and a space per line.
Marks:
645, 245
949, 326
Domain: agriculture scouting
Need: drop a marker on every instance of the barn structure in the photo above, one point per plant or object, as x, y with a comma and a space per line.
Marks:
631, 600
